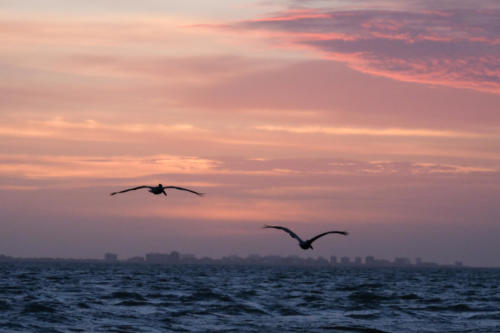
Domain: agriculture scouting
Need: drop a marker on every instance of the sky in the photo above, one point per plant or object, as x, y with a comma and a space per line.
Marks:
381, 118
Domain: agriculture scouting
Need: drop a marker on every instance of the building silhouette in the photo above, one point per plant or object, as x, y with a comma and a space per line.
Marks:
110, 257
163, 258
345, 261
402, 261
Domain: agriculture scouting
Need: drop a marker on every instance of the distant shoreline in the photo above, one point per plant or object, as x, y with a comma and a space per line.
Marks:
267, 261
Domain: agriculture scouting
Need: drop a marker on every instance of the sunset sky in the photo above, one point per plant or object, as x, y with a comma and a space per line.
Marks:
380, 117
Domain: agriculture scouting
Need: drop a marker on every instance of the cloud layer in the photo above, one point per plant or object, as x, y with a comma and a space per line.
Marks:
452, 47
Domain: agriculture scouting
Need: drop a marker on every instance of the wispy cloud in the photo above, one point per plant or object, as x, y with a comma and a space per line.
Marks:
20, 166
89, 130
90, 124
370, 131
456, 47
58, 166
89, 30
19, 187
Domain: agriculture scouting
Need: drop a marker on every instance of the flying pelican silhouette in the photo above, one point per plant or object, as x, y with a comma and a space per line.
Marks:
158, 189
305, 244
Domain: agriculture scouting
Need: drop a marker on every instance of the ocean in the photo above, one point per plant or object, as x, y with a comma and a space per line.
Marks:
100, 297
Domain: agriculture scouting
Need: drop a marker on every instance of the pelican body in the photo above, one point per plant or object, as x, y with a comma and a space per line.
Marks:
157, 189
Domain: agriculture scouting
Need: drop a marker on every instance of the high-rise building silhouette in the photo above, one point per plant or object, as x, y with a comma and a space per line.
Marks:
110, 257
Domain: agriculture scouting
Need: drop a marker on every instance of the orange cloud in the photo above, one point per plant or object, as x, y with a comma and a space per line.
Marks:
370, 131
40, 167
92, 130
292, 15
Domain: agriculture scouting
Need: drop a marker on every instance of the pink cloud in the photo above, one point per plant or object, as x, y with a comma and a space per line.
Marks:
454, 47
293, 15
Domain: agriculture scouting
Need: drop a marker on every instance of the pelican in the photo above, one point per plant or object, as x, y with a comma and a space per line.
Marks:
158, 189
305, 244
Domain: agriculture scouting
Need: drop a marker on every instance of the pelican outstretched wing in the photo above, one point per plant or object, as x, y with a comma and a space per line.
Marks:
290, 232
345, 233
184, 189
131, 189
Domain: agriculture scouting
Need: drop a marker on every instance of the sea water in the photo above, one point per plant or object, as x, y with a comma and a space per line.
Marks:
99, 297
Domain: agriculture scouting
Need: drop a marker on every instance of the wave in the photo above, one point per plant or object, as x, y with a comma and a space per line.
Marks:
284, 310
358, 287
83, 305
353, 329
133, 303
410, 297
367, 297
12, 290
4, 305
206, 294
189, 312
246, 293
57, 278
312, 298
364, 315
125, 295
489, 316
12, 326
36, 307
461, 307
237, 309
431, 300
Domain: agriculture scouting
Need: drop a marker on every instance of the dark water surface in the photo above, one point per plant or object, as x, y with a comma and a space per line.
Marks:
86, 297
